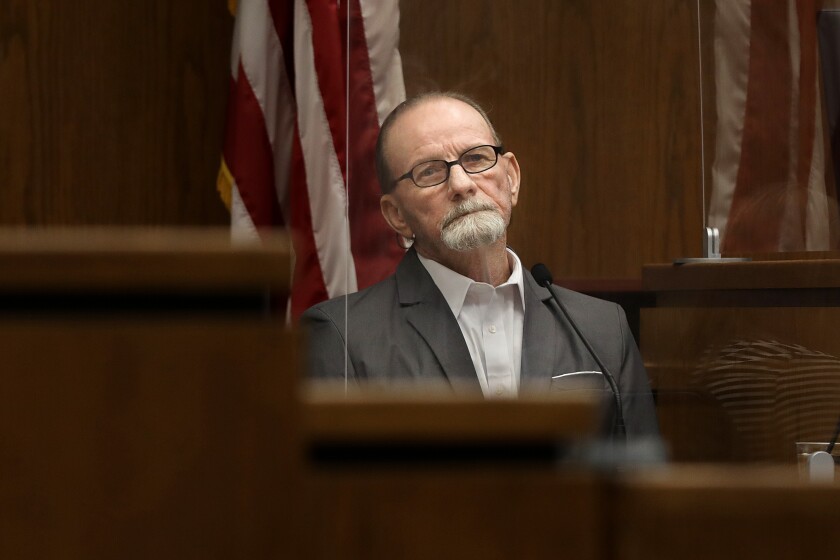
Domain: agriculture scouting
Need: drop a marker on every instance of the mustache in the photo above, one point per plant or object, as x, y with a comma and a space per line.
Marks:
464, 208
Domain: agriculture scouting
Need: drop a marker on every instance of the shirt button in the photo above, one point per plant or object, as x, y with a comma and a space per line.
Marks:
500, 391
492, 329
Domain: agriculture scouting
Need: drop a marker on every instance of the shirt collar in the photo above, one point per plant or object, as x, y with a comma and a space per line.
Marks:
454, 286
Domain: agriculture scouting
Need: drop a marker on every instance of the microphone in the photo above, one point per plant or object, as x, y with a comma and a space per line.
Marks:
543, 277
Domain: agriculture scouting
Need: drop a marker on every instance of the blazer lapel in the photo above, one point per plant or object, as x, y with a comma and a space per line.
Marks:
428, 313
549, 345
539, 331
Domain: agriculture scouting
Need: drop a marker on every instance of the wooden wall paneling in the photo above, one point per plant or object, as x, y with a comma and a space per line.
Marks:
112, 112
599, 100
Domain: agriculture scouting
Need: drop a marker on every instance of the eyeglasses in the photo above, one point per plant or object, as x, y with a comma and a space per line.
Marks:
435, 172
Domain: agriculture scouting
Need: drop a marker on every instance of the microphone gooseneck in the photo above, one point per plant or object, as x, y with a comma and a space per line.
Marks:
543, 277
833, 441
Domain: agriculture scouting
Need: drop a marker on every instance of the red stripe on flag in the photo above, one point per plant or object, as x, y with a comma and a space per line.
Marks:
763, 170
330, 69
251, 158
308, 287
282, 17
374, 244
248, 155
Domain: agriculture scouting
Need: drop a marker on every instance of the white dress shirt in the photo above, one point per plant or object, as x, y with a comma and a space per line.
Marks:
491, 320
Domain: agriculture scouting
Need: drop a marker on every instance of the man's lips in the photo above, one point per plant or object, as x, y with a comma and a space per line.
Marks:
463, 215
452, 219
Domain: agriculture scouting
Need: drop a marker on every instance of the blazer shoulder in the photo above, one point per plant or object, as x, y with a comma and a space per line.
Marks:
585, 302
359, 304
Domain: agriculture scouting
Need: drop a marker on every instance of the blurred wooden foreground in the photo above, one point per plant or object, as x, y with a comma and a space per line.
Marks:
142, 417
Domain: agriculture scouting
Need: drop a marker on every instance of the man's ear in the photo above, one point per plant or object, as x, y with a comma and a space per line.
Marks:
393, 215
513, 176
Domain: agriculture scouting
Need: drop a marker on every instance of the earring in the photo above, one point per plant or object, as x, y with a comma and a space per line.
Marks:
405, 243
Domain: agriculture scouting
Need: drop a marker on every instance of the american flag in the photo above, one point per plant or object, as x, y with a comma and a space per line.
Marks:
311, 82
773, 188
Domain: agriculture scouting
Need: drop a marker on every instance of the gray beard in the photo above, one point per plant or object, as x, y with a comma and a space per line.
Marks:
480, 225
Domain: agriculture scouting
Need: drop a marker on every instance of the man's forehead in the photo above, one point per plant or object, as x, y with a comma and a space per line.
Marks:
438, 119
439, 112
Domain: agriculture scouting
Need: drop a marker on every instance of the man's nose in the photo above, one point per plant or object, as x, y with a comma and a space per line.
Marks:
460, 182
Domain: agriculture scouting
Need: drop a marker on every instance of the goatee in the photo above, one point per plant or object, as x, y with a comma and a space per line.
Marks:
472, 224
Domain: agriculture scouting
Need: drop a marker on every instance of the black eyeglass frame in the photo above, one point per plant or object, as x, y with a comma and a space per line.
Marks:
499, 150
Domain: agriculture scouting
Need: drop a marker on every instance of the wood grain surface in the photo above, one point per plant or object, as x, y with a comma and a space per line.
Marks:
112, 112
120, 260
599, 101
722, 512
371, 415
146, 439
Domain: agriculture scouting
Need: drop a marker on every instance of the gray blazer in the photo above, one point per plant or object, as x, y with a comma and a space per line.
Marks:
402, 331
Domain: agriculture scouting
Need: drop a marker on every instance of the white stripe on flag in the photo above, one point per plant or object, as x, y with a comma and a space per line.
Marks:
241, 225
732, 53
383, 36
325, 183
818, 215
790, 238
262, 59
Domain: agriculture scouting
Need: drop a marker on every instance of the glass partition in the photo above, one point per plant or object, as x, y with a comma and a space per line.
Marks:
743, 354
572, 164
769, 76
624, 131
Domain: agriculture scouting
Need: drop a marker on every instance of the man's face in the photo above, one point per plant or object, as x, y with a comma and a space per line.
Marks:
444, 128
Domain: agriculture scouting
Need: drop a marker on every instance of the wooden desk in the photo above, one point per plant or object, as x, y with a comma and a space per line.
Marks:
144, 390
730, 512
130, 260
434, 476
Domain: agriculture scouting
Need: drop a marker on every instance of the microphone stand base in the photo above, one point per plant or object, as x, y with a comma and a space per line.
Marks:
709, 260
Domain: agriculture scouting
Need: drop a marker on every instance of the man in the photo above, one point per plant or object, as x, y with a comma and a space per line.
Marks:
460, 309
